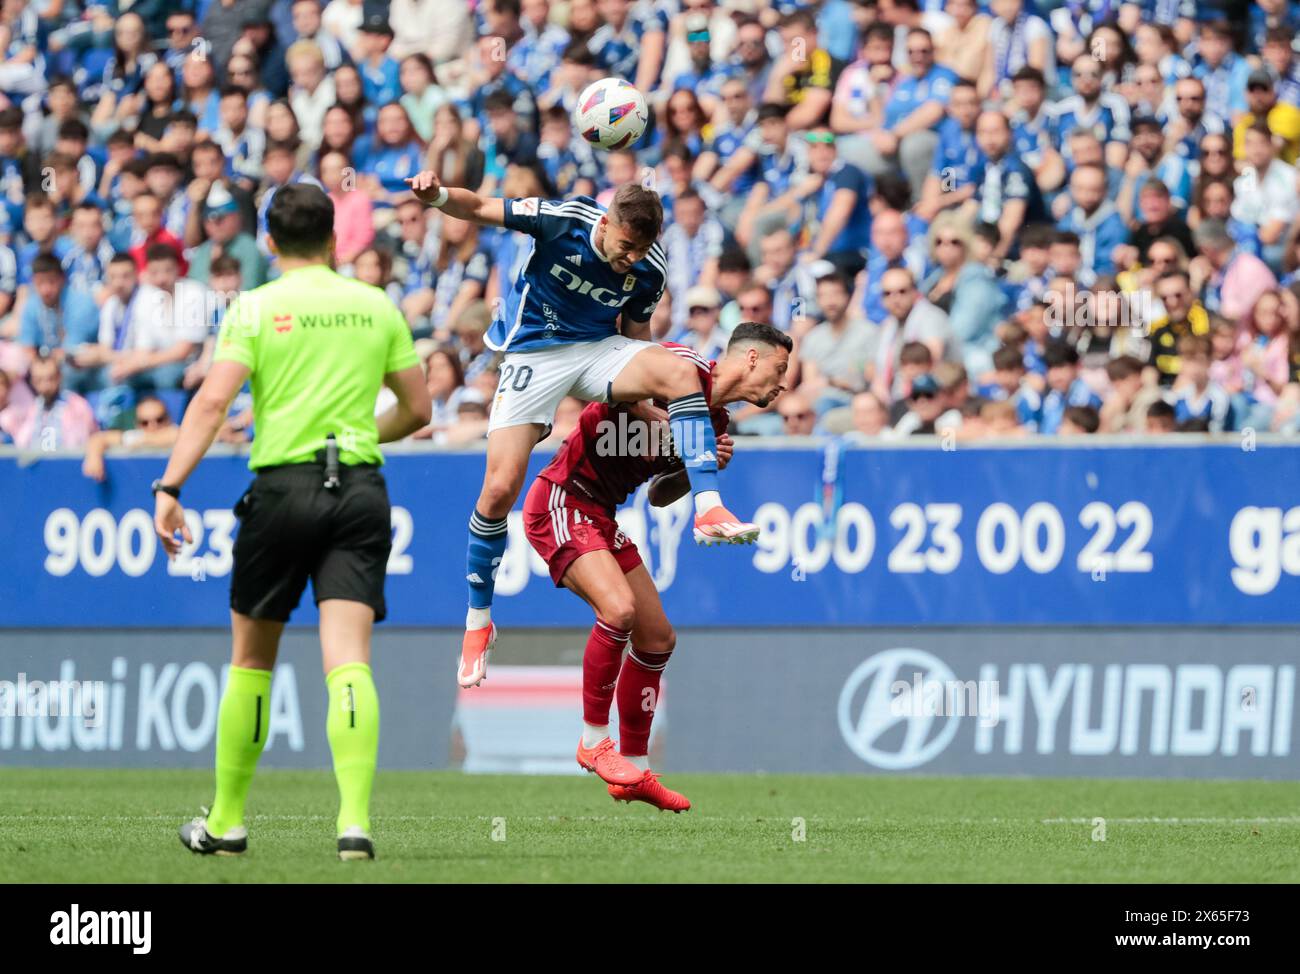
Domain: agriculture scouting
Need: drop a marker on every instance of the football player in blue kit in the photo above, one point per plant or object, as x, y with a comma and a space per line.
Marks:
576, 323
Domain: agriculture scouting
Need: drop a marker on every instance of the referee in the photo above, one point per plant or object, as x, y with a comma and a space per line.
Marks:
317, 348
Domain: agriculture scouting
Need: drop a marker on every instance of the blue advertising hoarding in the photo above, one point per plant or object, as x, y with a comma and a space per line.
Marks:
1103, 535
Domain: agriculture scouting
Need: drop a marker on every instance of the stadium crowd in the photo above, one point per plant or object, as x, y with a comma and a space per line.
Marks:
994, 219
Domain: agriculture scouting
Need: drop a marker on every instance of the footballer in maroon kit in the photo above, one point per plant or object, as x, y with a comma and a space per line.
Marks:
569, 519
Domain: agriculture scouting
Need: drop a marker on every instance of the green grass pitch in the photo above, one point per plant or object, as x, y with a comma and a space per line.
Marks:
120, 826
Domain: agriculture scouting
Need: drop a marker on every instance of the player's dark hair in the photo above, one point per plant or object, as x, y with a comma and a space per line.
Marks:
1085, 417
638, 210
301, 220
46, 264
759, 333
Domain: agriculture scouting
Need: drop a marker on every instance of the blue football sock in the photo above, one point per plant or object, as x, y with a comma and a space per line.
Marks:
693, 439
487, 545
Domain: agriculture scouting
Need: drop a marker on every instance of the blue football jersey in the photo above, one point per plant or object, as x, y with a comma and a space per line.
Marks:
567, 291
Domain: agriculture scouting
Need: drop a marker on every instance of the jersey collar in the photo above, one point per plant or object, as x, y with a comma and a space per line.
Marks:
603, 259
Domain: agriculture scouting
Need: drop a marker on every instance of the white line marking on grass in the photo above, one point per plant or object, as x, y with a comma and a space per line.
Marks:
1277, 820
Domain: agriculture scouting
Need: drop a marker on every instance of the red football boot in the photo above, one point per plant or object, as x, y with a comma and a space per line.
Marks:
719, 526
650, 791
605, 761
473, 655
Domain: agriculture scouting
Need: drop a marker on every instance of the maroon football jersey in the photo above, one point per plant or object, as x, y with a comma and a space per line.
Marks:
594, 462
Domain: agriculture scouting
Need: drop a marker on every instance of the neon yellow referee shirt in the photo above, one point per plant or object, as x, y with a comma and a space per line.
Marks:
318, 345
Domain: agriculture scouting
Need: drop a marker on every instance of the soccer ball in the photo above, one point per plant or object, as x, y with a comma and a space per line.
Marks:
611, 113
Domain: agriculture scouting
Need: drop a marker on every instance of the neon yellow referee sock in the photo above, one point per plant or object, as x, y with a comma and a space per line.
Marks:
241, 735
353, 730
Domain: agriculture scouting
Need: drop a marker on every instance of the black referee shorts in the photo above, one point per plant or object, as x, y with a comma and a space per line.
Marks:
292, 529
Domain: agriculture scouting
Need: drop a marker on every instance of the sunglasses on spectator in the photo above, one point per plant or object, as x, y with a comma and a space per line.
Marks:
897, 292
702, 310
734, 96
805, 414
920, 51
947, 242
148, 421
180, 30
923, 395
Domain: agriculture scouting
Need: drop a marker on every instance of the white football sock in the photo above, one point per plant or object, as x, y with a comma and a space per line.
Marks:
642, 761
707, 500
478, 618
593, 735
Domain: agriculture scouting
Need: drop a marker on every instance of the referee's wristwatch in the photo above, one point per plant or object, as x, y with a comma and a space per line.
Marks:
158, 485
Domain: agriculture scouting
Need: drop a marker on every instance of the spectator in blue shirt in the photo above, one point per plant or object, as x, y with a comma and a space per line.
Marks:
1190, 122
631, 42
1064, 387
58, 320
493, 78
1032, 131
951, 180
841, 224
1006, 193
568, 161
1222, 70
380, 74
915, 108
1103, 113
1094, 218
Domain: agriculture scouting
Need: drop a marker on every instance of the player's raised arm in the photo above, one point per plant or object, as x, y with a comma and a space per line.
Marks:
460, 203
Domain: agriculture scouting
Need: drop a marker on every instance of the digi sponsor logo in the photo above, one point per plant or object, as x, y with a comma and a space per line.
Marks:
892, 716
601, 295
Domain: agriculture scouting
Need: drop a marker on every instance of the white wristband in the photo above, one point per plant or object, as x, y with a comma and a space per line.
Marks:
441, 201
